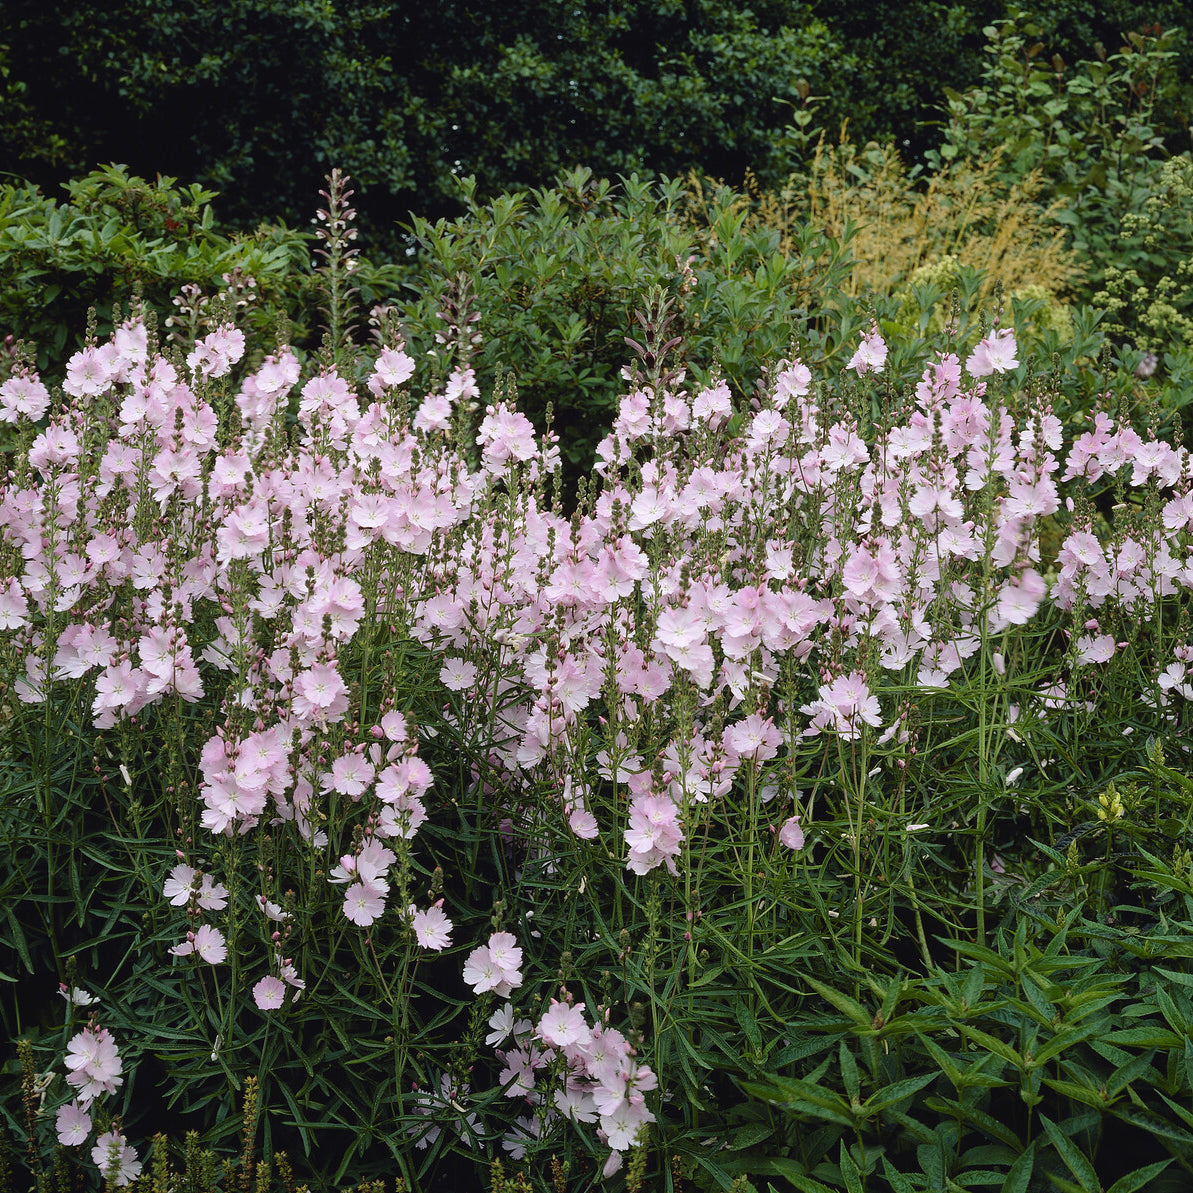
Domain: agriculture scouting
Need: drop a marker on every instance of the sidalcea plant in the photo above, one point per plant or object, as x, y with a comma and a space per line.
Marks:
461, 825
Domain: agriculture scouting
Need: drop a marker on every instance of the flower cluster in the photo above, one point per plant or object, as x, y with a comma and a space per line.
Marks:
724, 601
94, 1068
590, 1074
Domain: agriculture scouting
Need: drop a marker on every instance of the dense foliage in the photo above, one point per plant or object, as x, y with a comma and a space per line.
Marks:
258, 98
808, 809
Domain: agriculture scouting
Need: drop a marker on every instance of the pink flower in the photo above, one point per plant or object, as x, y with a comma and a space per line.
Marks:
790, 834
364, 902
713, 405
457, 674
350, 775
655, 834
392, 368
870, 356
269, 993
320, 694
505, 435
564, 1025
94, 1064
23, 396
844, 705
993, 354
180, 885
752, 739
73, 1124
111, 1154
432, 928
205, 941
495, 966
480, 970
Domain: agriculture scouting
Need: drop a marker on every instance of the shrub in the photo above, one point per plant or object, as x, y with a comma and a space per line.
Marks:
547, 284
119, 237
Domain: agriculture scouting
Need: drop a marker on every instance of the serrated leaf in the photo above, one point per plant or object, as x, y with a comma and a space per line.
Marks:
1140, 1178
899, 1183
849, 1171
789, 1170
893, 1094
1075, 1160
1019, 1177
846, 1005
993, 1044
749, 1135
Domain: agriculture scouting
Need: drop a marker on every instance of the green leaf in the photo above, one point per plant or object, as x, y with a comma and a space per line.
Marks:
1019, 1177
899, 1183
749, 1135
1075, 1160
849, 1171
993, 1044
846, 1005
895, 1093
1140, 1178
793, 1172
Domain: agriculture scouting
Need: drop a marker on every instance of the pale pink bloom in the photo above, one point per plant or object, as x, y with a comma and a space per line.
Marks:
73, 1124
23, 396
633, 417
350, 775
495, 966
713, 405
94, 1064
206, 942
392, 368
994, 354
215, 354
408, 776
870, 356
1020, 597
481, 972
14, 609
432, 928
273, 911
435, 414
213, 896
457, 674
793, 381
845, 705
87, 374
393, 725
112, 1154
564, 1025
370, 864
654, 835
501, 1023
180, 885
752, 739
622, 1126
941, 381
583, 823
505, 435
320, 693
55, 445
1091, 648
269, 993
77, 996
503, 948
461, 384
791, 834
364, 902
